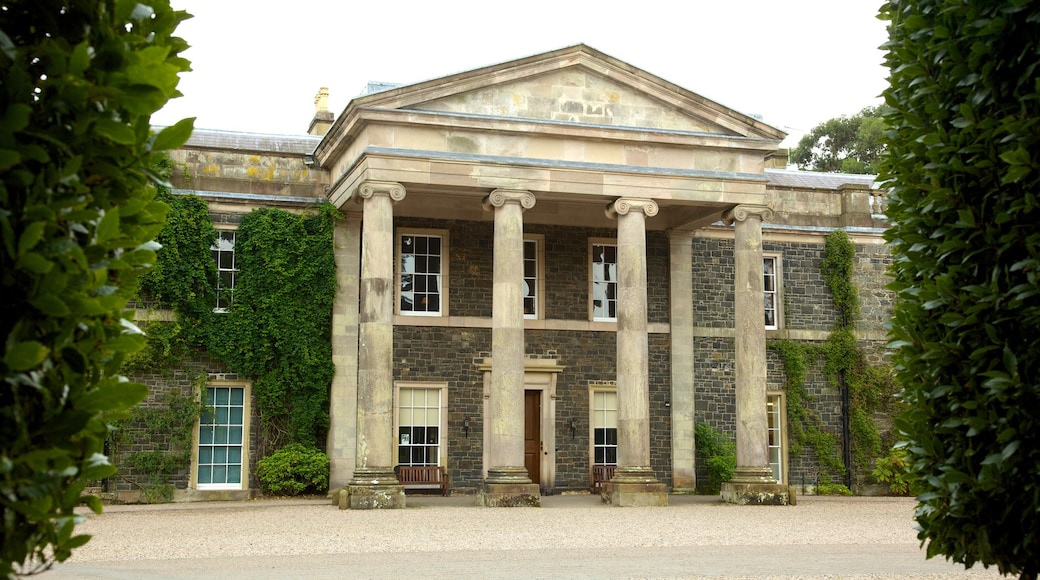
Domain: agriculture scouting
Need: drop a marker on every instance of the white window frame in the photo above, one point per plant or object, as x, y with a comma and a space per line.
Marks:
218, 248
442, 311
538, 281
594, 421
442, 439
593, 280
199, 453
773, 296
776, 439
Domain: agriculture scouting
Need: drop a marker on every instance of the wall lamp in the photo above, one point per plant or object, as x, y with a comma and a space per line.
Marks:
465, 426
574, 427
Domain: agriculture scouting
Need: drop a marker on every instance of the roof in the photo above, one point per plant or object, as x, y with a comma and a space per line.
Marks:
817, 180
259, 142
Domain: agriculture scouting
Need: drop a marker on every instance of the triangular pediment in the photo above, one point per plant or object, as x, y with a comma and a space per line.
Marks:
572, 85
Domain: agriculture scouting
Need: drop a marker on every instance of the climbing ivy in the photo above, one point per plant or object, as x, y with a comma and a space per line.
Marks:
871, 388
171, 427
279, 328
277, 332
804, 426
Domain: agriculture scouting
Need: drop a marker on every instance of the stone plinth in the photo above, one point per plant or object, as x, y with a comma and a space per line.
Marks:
634, 487
374, 489
757, 494
508, 495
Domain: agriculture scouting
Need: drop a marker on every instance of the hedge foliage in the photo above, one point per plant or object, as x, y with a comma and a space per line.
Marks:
294, 469
80, 81
963, 165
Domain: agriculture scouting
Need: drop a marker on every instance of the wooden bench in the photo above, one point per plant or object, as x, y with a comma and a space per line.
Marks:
600, 475
423, 477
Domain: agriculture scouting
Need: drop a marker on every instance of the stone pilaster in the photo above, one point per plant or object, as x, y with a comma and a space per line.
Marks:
752, 481
374, 484
342, 439
684, 478
507, 482
634, 482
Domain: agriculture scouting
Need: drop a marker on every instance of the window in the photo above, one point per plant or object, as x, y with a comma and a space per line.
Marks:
221, 443
418, 426
223, 252
604, 282
532, 280
771, 290
421, 272
774, 413
604, 427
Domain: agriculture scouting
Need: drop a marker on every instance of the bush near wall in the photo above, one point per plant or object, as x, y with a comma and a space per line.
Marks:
963, 164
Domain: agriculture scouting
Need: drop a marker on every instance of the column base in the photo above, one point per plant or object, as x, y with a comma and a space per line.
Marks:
373, 488
634, 487
757, 493
508, 487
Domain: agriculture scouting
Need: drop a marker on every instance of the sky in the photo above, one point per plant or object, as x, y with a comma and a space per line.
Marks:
257, 64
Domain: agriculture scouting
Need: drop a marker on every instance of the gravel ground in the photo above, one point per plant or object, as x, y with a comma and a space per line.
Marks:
569, 537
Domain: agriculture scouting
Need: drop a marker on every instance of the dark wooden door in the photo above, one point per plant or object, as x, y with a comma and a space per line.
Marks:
533, 435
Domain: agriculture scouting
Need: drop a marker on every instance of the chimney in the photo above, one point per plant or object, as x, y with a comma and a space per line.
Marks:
323, 117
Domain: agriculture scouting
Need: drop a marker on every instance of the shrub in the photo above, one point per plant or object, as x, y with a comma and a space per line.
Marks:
79, 81
894, 471
963, 165
832, 489
294, 469
719, 454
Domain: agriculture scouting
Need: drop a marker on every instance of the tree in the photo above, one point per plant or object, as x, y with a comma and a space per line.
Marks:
963, 165
846, 144
80, 81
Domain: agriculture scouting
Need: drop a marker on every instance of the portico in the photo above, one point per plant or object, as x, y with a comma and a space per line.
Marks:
547, 142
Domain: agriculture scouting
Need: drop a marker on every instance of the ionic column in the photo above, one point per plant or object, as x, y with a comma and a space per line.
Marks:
507, 482
752, 481
634, 482
374, 484
684, 478
342, 439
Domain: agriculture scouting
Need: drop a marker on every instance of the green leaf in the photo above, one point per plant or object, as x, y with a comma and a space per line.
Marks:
174, 136
108, 228
8, 159
120, 133
35, 263
113, 397
23, 356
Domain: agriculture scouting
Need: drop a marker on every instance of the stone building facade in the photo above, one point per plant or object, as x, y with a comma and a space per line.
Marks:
550, 264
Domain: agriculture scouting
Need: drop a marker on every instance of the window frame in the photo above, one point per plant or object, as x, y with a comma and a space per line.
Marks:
592, 243
593, 391
539, 281
777, 399
398, 264
776, 292
197, 445
214, 247
442, 416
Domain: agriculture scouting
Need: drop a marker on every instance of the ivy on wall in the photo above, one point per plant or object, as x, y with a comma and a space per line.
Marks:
870, 388
171, 425
278, 330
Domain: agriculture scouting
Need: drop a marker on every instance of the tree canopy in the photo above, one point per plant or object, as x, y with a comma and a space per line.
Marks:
849, 144
963, 166
80, 81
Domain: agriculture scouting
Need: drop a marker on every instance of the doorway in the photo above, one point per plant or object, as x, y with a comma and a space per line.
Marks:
533, 435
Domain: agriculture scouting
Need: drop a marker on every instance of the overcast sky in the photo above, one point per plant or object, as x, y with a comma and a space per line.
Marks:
257, 64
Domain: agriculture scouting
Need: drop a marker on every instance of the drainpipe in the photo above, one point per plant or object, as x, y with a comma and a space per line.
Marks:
846, 430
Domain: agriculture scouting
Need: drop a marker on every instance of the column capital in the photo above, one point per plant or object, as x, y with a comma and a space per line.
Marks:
743, 212
623, 205
369, 189
500, 197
